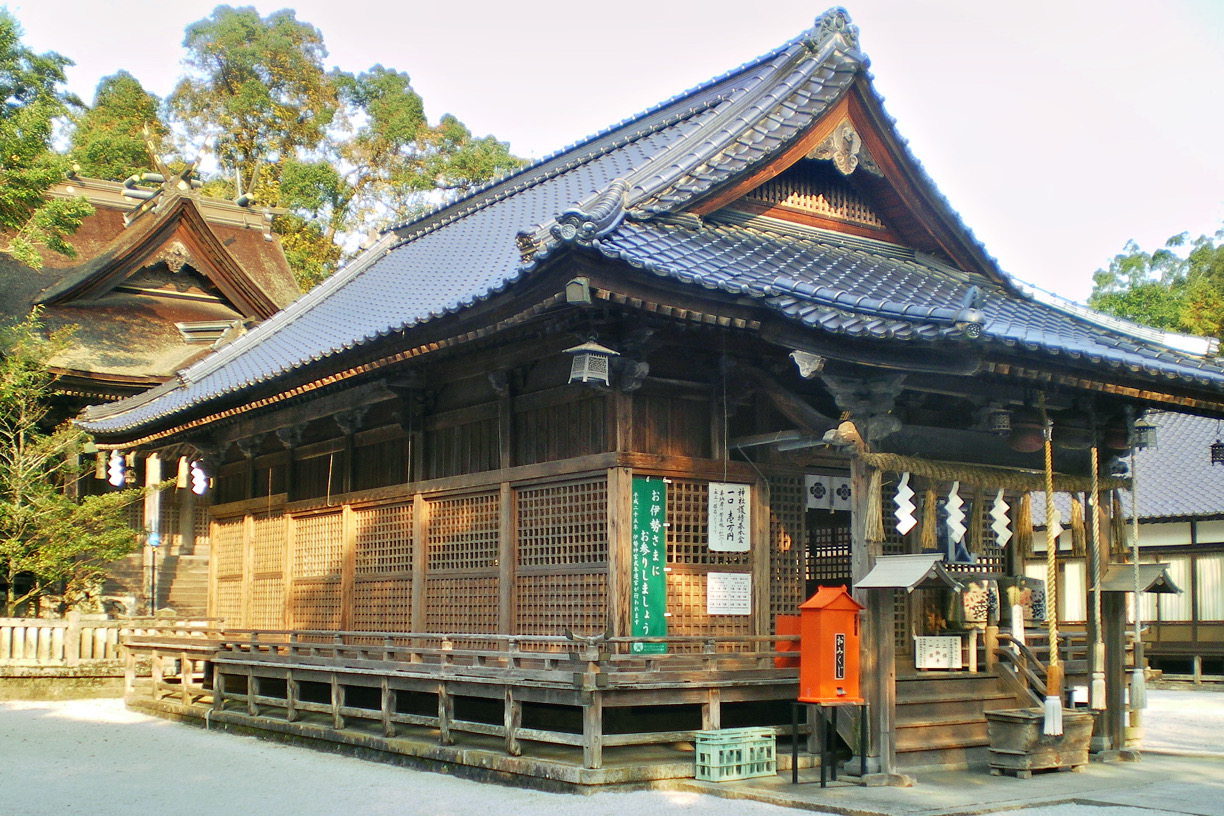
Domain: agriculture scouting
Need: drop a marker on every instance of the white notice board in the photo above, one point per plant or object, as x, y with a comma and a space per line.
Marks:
729, 517
728, 593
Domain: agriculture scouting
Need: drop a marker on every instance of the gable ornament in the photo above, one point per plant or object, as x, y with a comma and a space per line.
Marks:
844, 147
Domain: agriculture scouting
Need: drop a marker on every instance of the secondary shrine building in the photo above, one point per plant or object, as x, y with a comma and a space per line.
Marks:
651, 392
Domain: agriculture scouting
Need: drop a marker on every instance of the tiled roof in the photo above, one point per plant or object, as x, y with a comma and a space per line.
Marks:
1176, 478
614, 194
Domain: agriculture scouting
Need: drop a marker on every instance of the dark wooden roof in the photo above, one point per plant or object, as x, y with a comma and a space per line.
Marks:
191, 259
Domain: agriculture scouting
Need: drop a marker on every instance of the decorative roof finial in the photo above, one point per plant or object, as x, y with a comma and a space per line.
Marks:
833, 23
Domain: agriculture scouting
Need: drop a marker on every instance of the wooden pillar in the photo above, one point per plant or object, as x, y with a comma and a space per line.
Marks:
620, 548
507, 559
1113, 613
388, 706
248, 564
446, 713
513, 720
290, 436
592, 730
761, 552
877, 657
348, 566
420, 529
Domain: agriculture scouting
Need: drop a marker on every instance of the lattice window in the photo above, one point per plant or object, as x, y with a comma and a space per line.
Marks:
686, 601
315, 604
819, 193
688, 517
461, 604
382, 605
227, 547
463, 533
318, 545
384, 539
549, 604
829, 548
268, 544
563, 524
268, 602
787, 545
229, 601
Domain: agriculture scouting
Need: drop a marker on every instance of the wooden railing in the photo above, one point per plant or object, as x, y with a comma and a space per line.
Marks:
78, 639
1026, 664
359, 676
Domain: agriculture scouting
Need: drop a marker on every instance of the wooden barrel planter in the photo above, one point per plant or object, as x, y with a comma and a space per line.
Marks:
1018, 746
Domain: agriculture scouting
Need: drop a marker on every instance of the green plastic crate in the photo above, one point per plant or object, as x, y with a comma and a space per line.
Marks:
736, 753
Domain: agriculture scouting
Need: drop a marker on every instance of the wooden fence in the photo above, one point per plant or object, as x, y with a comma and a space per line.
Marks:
535, 688
80, 639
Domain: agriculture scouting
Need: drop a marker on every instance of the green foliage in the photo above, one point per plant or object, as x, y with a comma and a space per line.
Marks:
29, 89
44, 533
1179, 287
257, 86
112, 139
346, 153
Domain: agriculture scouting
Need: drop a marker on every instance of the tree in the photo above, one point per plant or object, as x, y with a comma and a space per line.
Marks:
345, 153
112, 139
44, 533
1179, 287
31, 102
257, 86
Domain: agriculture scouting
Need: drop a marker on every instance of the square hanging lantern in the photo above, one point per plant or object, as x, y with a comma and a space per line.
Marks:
1144, 434
592, 363
1217, 452
998, 420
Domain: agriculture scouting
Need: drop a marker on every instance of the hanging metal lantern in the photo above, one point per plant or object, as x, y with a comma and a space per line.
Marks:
1217, 452
1144, 434
998, 420
592, 363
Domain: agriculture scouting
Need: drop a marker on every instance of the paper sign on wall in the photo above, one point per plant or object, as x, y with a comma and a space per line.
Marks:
730, 516
728, 593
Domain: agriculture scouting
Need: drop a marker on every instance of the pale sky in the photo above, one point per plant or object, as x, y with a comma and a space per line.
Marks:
1057, 130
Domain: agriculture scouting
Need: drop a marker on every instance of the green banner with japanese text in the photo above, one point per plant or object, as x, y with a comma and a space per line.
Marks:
648, 583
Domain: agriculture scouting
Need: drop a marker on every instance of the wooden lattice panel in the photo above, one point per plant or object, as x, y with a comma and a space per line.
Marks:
318, 545
829, 547
268, 544
384, 539
549, 604
200, 525
461, 604
787, 545
819, 195
168, 523
688, 518
382, 605
315, 604
686, 601
462, 533
268, 602
563, 524
229, 601
227, 547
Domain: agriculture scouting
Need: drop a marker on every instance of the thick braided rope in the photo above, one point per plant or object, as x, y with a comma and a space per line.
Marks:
1051, 543
983, 476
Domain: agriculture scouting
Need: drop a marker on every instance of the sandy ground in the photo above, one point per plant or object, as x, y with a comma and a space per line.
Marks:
95, 757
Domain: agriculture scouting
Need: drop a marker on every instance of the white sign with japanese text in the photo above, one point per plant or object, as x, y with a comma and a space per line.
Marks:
730, 517
728, 593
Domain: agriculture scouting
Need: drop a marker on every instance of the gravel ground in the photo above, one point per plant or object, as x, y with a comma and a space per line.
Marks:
95, 757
